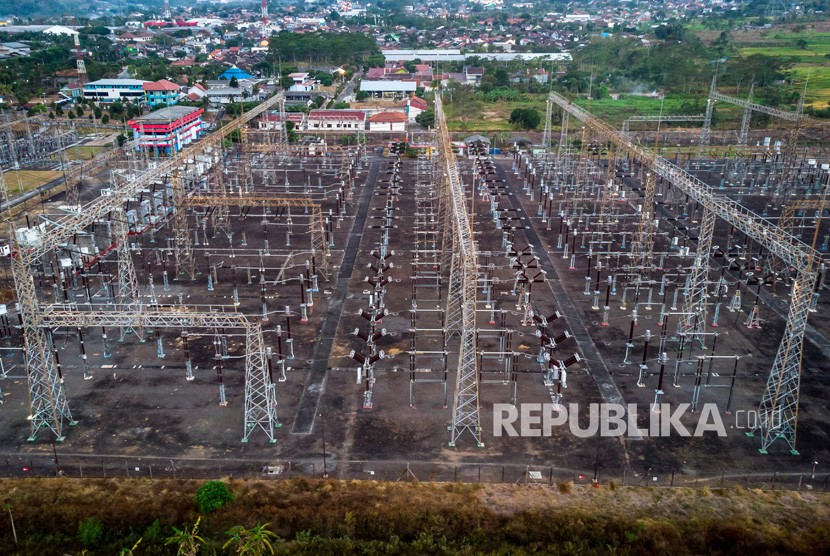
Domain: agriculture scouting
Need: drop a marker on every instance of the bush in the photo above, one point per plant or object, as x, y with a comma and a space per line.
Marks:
212, 495
526, 118
91, 532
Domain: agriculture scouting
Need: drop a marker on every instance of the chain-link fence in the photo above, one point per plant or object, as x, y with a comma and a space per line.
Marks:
90, 466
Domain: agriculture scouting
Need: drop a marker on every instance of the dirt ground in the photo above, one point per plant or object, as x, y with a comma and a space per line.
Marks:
139, 406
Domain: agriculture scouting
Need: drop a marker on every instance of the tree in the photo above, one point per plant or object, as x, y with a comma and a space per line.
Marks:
213, 495
187, 539
525, 118
234, 82
801, 44
79, 111
106, 119
426, 118
376, 61
325, 78
255, 541
117, 108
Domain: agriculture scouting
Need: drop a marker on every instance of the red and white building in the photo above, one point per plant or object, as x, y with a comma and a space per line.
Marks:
167, 130
413, 106
301, 82
273, 120
388, 121
336, 120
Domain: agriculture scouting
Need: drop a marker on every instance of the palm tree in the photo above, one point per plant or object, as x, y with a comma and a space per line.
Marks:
255, 541
188, 540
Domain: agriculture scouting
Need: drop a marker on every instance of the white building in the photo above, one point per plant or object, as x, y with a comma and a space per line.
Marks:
388, 89
59, 30
388, 121
113, 90
336, 120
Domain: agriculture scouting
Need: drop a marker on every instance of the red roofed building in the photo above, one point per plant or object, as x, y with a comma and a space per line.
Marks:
273, 120
388, 121
336, 120
161, 92
413, 106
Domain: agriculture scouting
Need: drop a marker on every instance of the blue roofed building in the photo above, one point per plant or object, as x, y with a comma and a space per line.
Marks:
234, 71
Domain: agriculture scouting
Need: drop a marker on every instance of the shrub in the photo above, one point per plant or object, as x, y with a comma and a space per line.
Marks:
90, 532
213, 495
565, 488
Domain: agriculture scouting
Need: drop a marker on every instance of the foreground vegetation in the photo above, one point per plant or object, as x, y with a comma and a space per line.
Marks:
60, 516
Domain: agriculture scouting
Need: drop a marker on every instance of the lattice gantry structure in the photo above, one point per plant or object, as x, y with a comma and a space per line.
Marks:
778, 409
461, 299
47, 398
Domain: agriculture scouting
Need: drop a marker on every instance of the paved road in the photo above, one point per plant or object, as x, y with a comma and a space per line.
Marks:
316, 380
350, 87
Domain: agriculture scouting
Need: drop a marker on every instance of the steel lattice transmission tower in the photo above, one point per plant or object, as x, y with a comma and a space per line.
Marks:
461, 300
778, 410
47, 398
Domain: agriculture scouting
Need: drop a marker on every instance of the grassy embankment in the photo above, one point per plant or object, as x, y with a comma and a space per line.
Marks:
332, 517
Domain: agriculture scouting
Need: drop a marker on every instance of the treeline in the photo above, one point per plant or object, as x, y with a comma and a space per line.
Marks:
674, 66
326, 48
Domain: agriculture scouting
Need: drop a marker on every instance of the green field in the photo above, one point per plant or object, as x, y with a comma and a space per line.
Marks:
488, 116
19, 182
479, 116
83, 152
811, 66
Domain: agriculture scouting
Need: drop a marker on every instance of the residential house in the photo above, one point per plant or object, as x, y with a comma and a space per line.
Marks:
301, 82
196, 93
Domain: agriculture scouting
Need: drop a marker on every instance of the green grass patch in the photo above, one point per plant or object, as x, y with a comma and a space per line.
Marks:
19, 182
82, 152
480, 116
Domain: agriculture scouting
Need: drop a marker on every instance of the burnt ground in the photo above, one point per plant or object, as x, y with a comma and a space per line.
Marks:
139, 407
